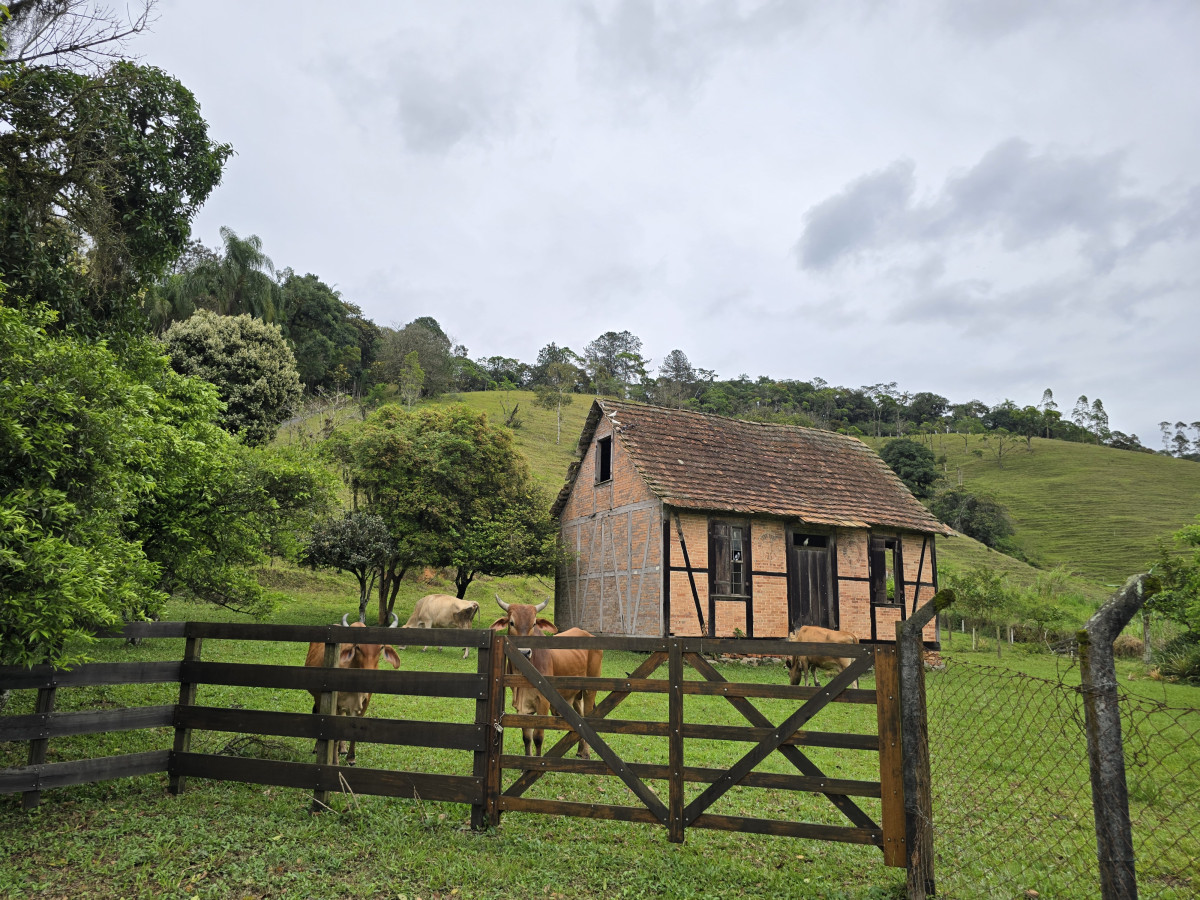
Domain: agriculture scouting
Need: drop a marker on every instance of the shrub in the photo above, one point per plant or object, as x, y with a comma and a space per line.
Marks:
1180, 659
1128, 646
974, 515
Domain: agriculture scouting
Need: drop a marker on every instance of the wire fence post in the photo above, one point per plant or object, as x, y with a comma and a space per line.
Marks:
1106, 758
918, 798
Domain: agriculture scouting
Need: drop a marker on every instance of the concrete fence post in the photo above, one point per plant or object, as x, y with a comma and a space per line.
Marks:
1106, 757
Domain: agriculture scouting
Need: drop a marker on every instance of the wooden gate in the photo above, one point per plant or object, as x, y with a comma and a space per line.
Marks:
789, 738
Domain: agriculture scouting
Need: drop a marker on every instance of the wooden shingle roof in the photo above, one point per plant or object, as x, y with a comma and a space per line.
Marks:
698, 461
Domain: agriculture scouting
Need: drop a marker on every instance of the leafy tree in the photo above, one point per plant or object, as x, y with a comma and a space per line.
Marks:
102, 175
412, 377
1001, 442
554, 392
984, 597
1048, 407
927, 407
250, 363
914, 463
975, 515
432, 346
333, 344
1178, 571
437, 477
615, 363
359, 543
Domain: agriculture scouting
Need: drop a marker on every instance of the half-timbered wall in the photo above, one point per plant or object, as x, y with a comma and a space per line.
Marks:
854, 593
612, 583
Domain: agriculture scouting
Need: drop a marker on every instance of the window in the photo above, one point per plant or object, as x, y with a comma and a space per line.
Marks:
886, 571
729, 559
604, 459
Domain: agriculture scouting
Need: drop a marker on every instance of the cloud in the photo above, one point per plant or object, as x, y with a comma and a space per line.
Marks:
862, 216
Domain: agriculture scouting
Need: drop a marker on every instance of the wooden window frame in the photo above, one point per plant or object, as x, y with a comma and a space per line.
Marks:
604, 459
897, 564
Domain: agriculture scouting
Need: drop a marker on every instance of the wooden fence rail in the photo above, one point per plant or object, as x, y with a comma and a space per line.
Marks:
498, 782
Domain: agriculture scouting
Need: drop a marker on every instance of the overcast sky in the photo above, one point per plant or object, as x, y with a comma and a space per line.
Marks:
974, 197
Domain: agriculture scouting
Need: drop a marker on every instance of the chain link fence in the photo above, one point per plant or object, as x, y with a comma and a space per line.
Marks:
1012, 799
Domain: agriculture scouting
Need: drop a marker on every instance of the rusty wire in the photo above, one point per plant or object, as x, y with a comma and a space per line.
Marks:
1012, 799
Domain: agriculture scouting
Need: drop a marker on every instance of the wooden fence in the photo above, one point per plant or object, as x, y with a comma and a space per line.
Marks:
500, 665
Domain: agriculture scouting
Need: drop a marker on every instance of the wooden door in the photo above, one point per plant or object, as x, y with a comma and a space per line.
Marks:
811, 595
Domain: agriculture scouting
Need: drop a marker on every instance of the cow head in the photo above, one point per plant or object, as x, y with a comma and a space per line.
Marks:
366, 656
522, 619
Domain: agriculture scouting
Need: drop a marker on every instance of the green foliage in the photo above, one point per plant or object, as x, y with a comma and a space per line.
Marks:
984, 594
101, 177
1180, 659
410, 379
250, 363
914, 463
359, 543
1178, 571
425, 337
977, 516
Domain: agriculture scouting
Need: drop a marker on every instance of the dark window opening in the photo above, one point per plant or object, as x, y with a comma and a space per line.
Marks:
810, 540
886, 572
604, 459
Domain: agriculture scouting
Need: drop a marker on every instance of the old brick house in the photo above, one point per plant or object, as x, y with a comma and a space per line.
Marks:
691, 524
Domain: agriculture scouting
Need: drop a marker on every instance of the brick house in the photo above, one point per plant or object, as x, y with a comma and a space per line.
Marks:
691, 524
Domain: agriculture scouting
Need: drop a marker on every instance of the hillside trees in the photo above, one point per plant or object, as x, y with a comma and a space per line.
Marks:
433, 348
914, 463
453, 490
554, 392
250, 363
614, 362
975, 515
1178, 571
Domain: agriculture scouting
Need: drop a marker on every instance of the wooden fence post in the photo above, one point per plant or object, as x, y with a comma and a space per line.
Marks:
37, 747
486, 813
187, 697
891, 755
326, 748
918, 795
1106, 757
675, 797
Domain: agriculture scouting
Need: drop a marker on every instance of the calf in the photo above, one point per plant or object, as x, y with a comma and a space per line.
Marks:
443, 611
799, 667
521, 620
352, 656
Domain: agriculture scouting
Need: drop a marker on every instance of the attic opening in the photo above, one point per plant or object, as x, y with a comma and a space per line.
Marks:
604, 459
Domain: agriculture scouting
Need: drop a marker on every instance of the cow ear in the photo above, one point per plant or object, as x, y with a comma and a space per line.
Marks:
391, 656
345, 654
547, 626
500, 624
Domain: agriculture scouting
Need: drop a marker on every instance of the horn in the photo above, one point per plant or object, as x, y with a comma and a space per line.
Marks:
344, 618
395, 620
541, 605
503, 605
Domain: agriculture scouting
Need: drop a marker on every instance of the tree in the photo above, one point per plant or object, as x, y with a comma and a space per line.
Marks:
975, 515
76, 33
984, 597
1048, 406
1001, 442
1178, 572
324, 332
438, 477
102, 175
614, 362
432, 346
914, 463
677, 382
250, 363
410, 379
554, 392
1098, 421
358, 543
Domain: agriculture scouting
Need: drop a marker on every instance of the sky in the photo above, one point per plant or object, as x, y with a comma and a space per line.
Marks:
978, 198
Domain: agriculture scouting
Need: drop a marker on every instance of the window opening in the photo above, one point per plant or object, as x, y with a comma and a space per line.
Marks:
604, 459
730, 549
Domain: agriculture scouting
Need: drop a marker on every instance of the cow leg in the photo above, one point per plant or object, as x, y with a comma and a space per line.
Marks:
583, 704
538, 736
527, 737
466, 652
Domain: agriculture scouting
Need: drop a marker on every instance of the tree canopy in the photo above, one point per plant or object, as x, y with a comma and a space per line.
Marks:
914, 463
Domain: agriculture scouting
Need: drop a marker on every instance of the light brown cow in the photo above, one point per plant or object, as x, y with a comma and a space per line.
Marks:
799, 667
522, 620
443, 611
352, 656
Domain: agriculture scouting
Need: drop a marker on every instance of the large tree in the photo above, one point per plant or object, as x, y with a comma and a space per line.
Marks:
914, 463
250, 363
443, 479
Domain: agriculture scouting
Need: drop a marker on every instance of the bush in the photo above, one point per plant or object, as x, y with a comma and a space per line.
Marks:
1180, 660
1128, 646
975, 515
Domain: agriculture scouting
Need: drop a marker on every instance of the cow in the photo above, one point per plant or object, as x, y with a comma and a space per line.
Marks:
799, 667
443, 611
352, 656
522, 620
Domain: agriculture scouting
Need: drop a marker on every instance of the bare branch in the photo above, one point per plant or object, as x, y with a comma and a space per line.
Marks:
73, 33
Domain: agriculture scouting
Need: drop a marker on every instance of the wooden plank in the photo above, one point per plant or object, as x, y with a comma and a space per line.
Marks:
319, 634
146, 630
37, 747
696, 775
421, 684
601, 710
369, 729
326, 778
586, 733
776, 739
691, 575
701, 645
701, 731
83, 771
20, 678
102, 721
580, 810
891, 756
696, 688
675, 796
326, 750
788, 829
187, 697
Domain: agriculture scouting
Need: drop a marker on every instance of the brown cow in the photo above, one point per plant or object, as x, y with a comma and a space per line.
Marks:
352, 656
521, 620
443, 611
799, 667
